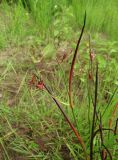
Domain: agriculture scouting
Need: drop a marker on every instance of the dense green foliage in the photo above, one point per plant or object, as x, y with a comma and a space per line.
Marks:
58, 18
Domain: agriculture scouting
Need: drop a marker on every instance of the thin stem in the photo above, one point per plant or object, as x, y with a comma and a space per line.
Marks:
69, 122
94, 115
103, 129
72, 69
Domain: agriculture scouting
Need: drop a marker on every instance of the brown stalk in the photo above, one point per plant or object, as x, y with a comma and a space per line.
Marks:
69, 122
73, 63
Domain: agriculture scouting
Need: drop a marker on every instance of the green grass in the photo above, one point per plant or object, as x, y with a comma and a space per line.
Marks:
101, 16
32, 127
54, 20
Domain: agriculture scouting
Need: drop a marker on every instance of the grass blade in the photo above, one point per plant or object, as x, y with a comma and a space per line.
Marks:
110, 100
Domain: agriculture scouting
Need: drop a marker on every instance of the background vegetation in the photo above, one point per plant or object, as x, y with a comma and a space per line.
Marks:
40, 36
56, 19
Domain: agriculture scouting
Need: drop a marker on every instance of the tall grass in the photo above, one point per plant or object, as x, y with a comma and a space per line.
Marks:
47, 18
14, 20
101, 15
97, 124
41, 12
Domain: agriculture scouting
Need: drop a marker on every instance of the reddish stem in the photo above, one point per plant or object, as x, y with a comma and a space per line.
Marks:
73, 63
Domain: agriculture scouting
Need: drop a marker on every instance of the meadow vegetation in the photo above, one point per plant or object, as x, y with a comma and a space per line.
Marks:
58, 66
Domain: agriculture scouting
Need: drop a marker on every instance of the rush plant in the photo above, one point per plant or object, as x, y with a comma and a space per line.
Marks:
96, 123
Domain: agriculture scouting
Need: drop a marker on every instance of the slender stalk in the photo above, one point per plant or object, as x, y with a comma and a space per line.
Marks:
69, 122
110, 156
103, 129
94, 115
102, 140
100, 128
72, 69
73, 63
89, 103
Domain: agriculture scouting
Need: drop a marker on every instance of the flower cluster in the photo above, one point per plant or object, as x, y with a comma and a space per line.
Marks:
34, 82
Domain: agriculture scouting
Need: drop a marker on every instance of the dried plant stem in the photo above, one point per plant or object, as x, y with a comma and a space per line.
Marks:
72, 69
73, 62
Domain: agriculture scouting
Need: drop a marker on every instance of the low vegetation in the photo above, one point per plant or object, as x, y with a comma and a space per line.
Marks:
58, 80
